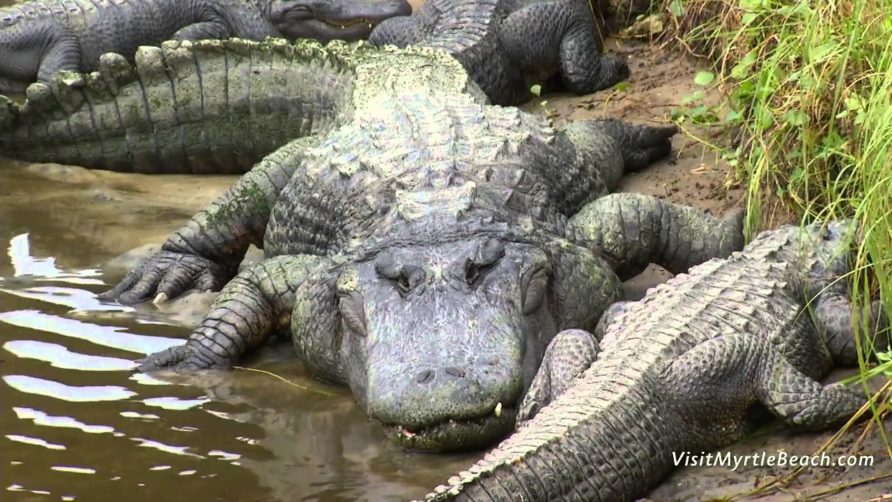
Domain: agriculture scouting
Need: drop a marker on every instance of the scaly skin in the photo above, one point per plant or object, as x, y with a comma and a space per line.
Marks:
219, 107
679, 370
420, 252
507, 45
41, 37
191, 107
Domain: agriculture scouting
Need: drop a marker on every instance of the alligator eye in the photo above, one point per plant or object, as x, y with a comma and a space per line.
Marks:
474, 271
403, 282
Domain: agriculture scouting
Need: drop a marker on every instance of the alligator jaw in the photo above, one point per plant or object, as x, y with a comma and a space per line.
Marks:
462, 435
349, 23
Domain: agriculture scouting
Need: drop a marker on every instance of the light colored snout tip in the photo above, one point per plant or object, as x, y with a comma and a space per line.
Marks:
499, 410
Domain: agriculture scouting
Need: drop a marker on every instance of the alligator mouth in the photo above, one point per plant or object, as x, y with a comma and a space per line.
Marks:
455, 435
349, 23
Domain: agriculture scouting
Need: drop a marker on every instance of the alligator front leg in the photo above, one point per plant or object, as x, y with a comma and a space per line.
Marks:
254, 305
560, 35
802, 401
838, 319
64, 54
633, 230
205, 252
210, 30
399, 31
567, 356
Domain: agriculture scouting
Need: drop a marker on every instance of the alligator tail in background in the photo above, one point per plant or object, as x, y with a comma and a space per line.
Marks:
39, 38
188, 107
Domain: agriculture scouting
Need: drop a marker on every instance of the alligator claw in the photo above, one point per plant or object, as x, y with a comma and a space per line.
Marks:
179, 358
160, 299
167, 275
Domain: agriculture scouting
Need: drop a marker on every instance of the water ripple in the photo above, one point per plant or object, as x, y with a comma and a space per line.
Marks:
107, 336
41, 418
75, 394
60, 357
34, 441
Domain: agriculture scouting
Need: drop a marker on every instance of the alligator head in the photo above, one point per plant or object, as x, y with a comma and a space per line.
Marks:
439, 337
333, 19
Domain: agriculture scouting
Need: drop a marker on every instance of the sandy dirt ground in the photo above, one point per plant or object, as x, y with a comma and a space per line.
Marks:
110, 213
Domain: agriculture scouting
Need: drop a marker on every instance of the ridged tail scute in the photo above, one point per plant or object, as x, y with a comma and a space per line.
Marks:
187, 107
641, 144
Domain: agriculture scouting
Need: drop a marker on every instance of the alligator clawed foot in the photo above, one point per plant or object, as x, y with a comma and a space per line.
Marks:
181, 357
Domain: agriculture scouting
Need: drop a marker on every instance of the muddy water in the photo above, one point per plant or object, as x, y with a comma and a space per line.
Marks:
77, 424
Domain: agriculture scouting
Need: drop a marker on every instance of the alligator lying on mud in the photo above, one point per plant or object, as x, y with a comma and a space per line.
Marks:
681, 370
425, 252
41, 37
220, 109
506, 45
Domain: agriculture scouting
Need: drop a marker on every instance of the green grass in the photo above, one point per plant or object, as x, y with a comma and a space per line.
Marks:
809, 86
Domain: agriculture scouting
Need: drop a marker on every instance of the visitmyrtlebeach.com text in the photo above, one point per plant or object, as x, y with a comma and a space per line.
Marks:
765, 459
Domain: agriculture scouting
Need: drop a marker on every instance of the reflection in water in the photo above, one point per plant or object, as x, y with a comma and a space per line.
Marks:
49, 388
77, 424
41, 418
60, 357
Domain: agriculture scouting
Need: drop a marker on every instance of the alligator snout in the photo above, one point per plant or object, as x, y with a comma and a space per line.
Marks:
430, 395
446, 407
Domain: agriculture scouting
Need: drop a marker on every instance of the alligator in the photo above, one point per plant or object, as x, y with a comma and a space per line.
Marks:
41, 37
687, 368
419, 253
507, 45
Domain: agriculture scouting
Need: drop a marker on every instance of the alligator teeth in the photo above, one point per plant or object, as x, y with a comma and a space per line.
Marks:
499, 409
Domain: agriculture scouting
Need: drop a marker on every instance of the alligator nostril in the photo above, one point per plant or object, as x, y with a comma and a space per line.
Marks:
456, 372
425, 376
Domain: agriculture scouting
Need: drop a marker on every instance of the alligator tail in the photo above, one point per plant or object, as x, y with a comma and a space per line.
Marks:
186, 107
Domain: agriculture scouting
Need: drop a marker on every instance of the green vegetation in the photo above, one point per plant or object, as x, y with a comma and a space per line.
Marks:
809, 97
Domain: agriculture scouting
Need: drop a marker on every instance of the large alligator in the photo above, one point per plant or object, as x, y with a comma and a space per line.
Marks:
506, 45
419, 253
681, 370
41, 37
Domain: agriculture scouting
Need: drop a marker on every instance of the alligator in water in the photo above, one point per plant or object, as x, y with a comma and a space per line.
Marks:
419, 253
681, 370
508, 44
40, 37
